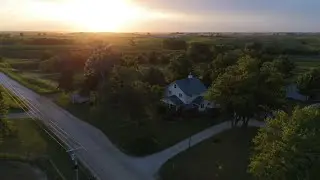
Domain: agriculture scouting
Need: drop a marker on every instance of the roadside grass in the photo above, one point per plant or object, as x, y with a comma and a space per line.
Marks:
223, 157
38, 85
32, 145
14, 107
129, 137
16, 170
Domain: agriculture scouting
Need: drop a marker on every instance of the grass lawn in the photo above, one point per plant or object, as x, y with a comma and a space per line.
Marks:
125, 134
37, 148
223, 157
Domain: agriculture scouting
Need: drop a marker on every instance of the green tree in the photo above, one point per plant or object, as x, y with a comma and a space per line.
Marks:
248, 89
179, 67
284, 65
200, 52
98, 65
154, 76
288, 147
253, 49
65, 81
174, 44
309, 83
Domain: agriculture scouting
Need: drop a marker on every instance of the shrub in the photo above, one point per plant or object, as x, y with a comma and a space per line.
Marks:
63, 99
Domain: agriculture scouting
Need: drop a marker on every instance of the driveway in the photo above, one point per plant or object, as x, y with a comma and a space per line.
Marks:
151, 164
96, 151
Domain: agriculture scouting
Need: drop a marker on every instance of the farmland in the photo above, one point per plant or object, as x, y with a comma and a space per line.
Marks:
39, 63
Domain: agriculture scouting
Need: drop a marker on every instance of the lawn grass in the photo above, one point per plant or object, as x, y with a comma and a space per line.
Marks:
124, 133
37, 148
223, 157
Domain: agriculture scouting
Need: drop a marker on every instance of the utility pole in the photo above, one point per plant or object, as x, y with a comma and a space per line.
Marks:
75, 162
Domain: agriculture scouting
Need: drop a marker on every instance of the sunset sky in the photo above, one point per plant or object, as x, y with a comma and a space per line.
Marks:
160, 15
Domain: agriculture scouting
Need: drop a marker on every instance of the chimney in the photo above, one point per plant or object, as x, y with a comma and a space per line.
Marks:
190, 76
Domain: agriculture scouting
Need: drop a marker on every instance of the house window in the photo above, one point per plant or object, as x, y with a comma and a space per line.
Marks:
202, 105
180, 95
175, 86
170, 92
209, 104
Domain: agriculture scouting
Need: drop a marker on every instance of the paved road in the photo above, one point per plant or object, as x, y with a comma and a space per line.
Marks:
151, 164
97, 152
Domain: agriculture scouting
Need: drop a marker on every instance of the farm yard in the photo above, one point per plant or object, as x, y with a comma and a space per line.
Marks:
124, 77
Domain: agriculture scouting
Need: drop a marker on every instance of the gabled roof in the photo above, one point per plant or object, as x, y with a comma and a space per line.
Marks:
191, 86
198, 100
175, 100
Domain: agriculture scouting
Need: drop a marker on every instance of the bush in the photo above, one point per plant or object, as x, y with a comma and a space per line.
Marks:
63, 100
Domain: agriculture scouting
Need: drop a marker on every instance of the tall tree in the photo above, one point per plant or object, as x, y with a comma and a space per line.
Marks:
154, 76
200, 52
288, 147
247, 89
98, 65
180, 66
309, 83
253, 49
284, 65
66, 80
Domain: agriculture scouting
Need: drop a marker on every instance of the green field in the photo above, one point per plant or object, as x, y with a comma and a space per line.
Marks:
304, 63
33, 146
222, 157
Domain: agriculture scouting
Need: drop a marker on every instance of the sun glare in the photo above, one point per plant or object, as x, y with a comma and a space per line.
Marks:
103, 15
92, 15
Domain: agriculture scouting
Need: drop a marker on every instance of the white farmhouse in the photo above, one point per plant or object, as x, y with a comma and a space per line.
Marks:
187, 93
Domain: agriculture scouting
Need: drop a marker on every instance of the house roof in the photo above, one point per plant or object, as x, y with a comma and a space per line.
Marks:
175, 100
198, 100
191, 86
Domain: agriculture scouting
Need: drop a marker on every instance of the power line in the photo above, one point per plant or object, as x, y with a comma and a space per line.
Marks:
29, 108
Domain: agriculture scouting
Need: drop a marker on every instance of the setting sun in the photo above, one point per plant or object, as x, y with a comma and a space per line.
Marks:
94, 15
103, 15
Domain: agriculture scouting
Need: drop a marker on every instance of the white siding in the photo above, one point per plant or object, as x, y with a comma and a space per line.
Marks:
175, 90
